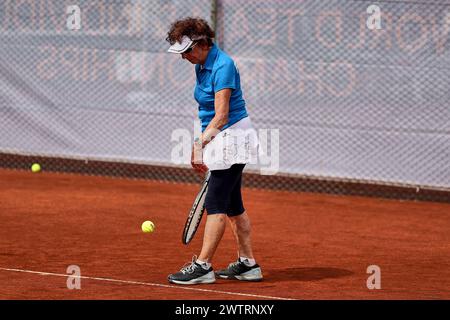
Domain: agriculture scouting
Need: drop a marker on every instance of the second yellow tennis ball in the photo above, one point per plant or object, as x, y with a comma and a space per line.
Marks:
148, 227
36, 167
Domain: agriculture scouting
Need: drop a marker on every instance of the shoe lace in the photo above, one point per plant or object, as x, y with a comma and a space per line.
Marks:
233, 264
189, 267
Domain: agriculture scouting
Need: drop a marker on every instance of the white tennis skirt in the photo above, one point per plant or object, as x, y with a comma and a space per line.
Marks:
236, 144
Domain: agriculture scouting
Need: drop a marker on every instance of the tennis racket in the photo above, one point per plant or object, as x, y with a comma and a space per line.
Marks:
196, 213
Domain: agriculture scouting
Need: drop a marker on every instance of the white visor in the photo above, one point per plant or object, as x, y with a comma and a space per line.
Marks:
177, 47
186, 42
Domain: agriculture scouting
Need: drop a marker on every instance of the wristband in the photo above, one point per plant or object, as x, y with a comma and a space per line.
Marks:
198, 141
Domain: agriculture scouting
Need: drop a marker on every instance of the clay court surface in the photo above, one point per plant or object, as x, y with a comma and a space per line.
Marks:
310, 246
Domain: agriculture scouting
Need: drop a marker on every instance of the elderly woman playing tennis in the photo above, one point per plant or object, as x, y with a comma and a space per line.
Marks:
225, 126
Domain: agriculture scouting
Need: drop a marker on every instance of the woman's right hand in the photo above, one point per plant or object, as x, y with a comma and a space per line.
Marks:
197, 159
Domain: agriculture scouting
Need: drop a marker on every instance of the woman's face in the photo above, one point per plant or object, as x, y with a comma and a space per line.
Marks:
196, 54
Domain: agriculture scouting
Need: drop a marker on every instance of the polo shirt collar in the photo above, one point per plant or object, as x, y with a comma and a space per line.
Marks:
212, 54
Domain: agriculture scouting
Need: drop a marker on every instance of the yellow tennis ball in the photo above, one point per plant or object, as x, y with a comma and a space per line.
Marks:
148, 227
36, 167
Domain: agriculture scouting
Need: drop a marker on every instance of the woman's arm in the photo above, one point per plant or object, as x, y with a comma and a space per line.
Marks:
222, 108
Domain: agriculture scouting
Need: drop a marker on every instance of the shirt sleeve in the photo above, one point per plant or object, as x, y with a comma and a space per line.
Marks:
225, 77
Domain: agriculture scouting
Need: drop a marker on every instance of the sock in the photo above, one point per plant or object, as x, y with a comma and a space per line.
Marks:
205, 265
247, 261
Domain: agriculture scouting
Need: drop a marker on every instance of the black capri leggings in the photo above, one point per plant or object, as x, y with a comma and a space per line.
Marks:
224, 191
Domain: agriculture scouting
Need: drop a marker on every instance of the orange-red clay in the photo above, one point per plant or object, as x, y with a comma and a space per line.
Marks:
310, 246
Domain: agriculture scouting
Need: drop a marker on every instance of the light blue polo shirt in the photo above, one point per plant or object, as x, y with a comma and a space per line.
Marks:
219, 72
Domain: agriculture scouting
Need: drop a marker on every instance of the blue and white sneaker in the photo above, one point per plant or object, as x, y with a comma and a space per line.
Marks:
240, 271
193, 273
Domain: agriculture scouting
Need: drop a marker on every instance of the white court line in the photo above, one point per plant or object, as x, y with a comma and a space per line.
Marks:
145, 284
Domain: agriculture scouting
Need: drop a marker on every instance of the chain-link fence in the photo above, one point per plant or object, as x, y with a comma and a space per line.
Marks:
355, 92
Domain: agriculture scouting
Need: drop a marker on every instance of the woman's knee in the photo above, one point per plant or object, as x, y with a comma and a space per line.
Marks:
242, 223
